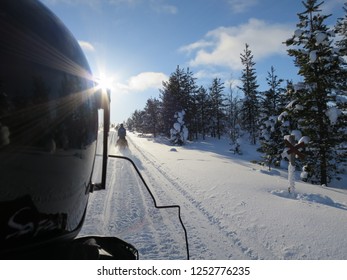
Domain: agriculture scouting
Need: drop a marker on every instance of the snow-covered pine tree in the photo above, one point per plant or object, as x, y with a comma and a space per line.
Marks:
203, 111
152, 117
190, 88
179, 132
171, 98
341, 93
250, 108
176, 95
289, 124
272, 105
319, 65
136, 121
217, 107
341, 30
233, 109
341, 42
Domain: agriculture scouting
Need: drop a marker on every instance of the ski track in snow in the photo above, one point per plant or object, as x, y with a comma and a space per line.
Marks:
207, 230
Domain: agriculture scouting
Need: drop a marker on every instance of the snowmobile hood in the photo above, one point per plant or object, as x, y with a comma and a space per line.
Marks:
48, 126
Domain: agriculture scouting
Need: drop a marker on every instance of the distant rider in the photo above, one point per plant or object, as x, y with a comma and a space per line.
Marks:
122, 132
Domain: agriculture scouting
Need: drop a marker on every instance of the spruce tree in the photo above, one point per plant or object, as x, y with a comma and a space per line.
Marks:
170, 98
341, 42
136, 121
273, 102
217, 107
202, 111
233, 109
319, 65
176, 96
341, 93
190, 91
272, 105
250, 108
152, 117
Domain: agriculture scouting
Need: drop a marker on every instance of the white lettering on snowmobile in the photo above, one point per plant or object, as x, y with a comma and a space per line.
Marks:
30, 227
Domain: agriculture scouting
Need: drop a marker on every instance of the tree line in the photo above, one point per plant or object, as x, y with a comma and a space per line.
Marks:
315, 109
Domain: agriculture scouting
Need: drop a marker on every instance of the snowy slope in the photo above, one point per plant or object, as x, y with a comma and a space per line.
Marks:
232, 209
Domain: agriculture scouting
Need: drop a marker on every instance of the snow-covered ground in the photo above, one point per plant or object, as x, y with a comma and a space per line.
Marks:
232, 208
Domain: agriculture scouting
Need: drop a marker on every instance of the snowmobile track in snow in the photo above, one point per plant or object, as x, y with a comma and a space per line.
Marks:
200, 237
126, 210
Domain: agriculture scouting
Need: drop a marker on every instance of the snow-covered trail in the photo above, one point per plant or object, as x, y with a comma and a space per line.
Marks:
232, 208
207, 238
126, 210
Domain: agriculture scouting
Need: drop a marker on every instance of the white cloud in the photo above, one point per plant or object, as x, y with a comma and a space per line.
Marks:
142, 82
86, 46
161, 7
146, 80
223, 46
195, 46
209, 74
241, 6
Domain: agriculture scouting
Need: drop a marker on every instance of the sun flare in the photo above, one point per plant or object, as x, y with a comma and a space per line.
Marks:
105, 82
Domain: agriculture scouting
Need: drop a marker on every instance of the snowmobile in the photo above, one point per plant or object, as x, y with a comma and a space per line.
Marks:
122, 143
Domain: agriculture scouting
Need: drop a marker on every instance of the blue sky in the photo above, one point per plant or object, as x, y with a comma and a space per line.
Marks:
136, 44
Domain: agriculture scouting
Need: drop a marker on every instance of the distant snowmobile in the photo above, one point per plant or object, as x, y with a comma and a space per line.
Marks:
122, 142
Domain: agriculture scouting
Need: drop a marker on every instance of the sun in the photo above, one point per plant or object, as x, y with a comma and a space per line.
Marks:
104, 82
